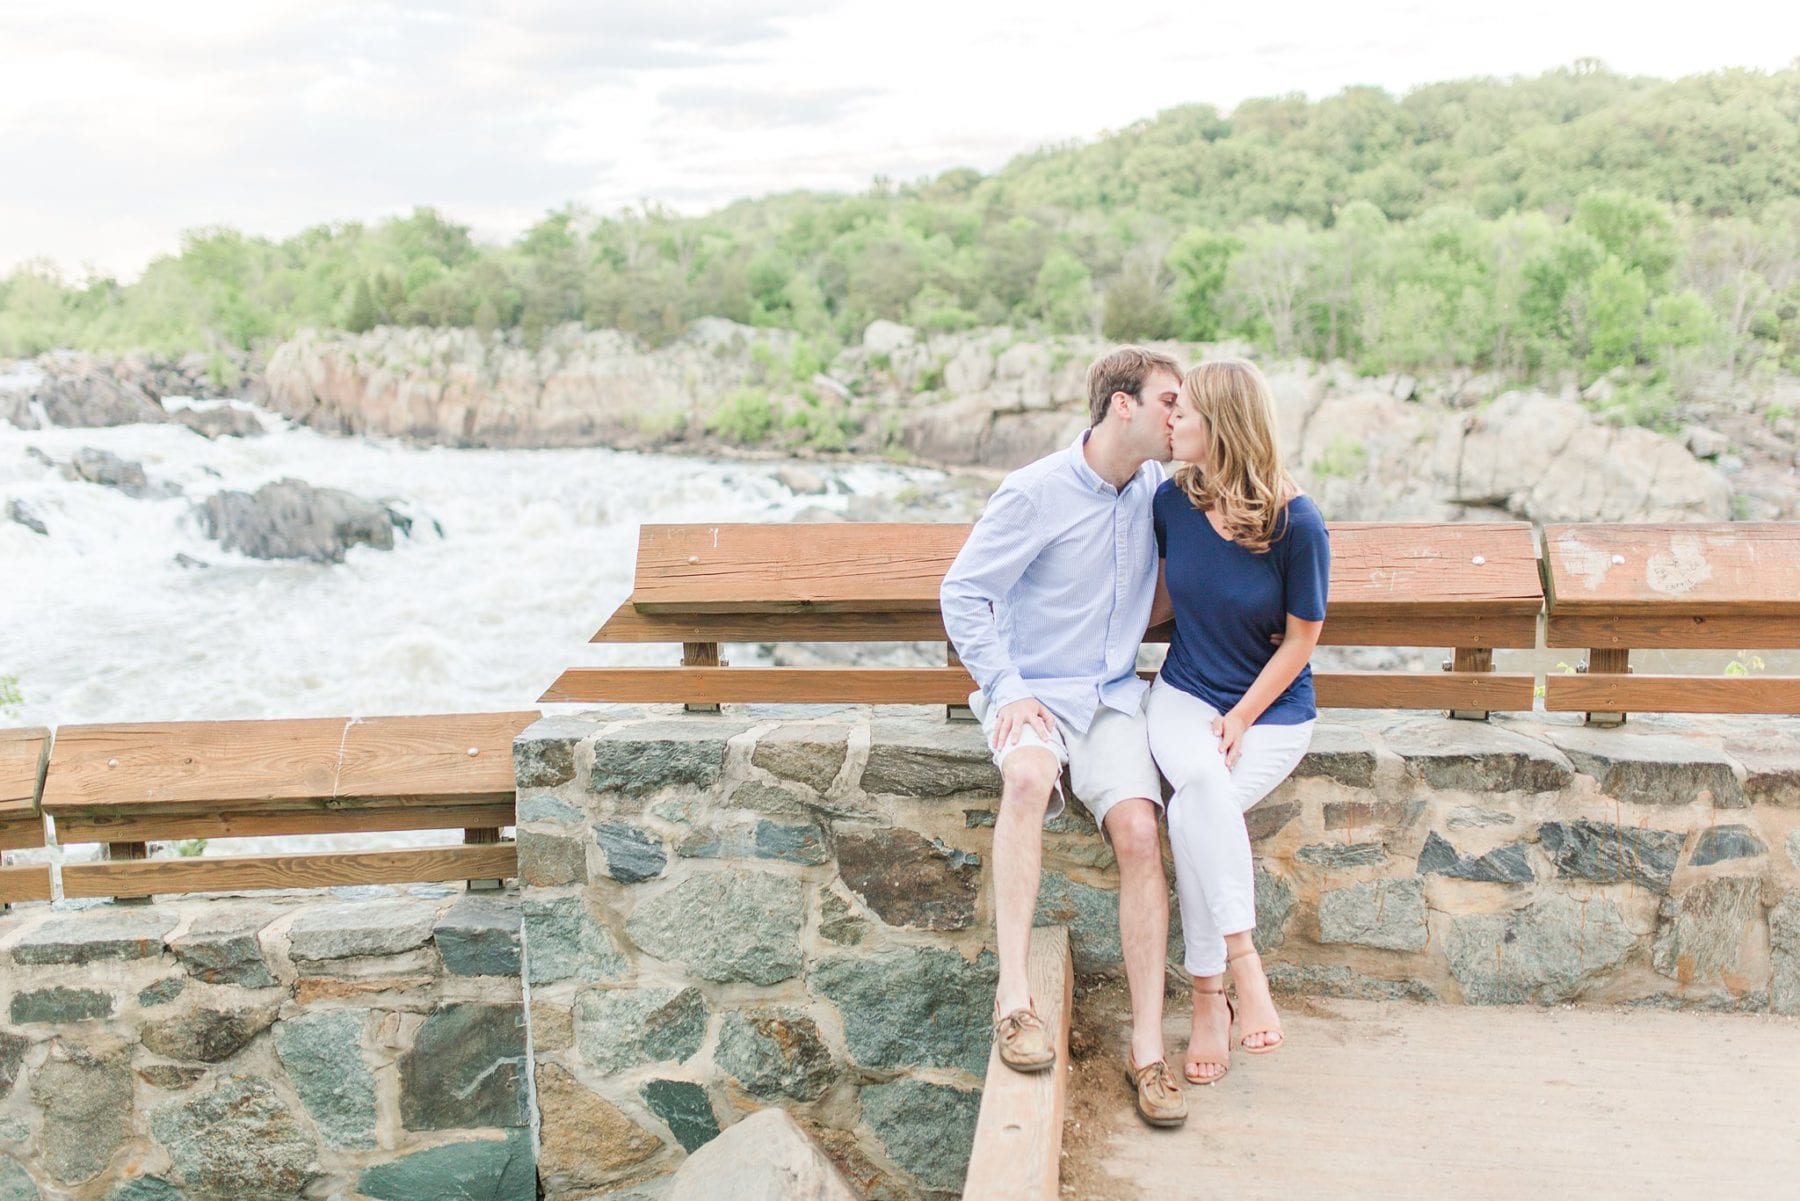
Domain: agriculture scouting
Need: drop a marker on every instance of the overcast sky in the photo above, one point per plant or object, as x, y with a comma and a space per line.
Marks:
121, 124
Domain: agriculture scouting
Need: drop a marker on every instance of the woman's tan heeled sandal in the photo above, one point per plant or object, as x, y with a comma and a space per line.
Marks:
1223, 1066
1266, 1031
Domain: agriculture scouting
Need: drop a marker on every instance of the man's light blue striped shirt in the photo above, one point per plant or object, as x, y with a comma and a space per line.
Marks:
1050, 595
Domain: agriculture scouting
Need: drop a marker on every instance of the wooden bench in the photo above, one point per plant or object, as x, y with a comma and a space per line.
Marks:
127, 784
1613, 589
1471, 587
22, 755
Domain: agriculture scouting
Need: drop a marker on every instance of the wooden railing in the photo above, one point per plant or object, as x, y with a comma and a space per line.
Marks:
128, 785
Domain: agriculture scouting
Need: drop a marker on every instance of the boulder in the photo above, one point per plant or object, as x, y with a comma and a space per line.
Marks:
220, 421
80, 393
765, 1157
290, 519
108, 470
18, 511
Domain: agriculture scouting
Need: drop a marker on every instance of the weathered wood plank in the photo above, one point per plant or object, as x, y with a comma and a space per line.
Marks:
1698, 631
745, 685
29, 882
22, 834
628, 625
1612, 693
1743, 568
1423, 690
22, 753
251, 766
1377, 567
1017, 1154
419, 865
137, 825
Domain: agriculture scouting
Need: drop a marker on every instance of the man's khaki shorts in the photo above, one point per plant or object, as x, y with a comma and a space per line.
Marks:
1109, 763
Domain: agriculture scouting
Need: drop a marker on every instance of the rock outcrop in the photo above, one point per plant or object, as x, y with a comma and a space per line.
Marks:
290, 519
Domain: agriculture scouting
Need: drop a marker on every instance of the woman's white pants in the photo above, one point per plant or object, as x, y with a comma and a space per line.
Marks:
1213, 874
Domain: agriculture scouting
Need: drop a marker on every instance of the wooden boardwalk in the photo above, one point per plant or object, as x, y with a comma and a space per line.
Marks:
1388, 1099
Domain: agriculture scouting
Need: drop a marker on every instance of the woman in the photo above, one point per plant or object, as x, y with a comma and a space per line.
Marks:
1244, 573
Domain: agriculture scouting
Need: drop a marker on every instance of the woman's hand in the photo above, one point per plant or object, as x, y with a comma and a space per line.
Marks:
1229, 729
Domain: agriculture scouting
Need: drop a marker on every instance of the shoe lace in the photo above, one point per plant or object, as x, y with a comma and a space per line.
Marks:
1020, 1020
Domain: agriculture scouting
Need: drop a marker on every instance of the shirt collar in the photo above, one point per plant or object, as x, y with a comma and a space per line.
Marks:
1090, 479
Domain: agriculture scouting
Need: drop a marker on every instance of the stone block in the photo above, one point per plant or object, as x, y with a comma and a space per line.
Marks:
466, 1068
684, 1108
1334, 980
1269, 818
169, 1076
94, 935
1793, 848
207, 1035
238, 1142
772, 799
619, 1028
586, 1142
838, 923
479, 936
1462, 756
1547, 952
15, 1183
908, 879
1612, 854
564, 942
789, 841
161, 992
1784, 956
322, 1052
806, 754
484, 1169
552, 1026
911, 758
1388, 914
632, 853
1092, 916
83, 1092
1274, 904
1387, 817
765, 1157
1716, 844
928, 1129
144, 1188
362, 928
545, 807
226, 949
1340, 753
725, 926
1652, 769
775, 1053
910, 1008
60, 1004
1473, 817
12, 1055
640, 759
550, 860
1771, 769
1502, 865
1340, 856
544, 752
1703, 930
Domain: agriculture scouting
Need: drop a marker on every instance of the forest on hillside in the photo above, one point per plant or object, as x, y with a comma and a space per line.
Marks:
1579, 222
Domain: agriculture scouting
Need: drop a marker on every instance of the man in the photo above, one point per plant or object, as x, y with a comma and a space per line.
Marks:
1046, 605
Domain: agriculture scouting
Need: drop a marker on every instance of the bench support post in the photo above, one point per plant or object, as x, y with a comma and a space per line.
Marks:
700, 654
1612, 661
121, 851
955, 712
1470, 658
483, 836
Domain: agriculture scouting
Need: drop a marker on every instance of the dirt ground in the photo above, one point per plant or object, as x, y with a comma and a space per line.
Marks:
1389, 1099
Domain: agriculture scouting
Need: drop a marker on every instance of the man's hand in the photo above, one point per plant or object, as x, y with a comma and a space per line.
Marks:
1014, 717
1230, 731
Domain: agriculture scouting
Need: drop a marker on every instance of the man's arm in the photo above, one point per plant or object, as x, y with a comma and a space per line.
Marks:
1004, 542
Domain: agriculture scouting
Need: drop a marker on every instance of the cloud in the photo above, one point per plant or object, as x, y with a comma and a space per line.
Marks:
733, 108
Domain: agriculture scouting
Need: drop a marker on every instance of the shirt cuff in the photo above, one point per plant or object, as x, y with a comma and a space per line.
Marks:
1008, 688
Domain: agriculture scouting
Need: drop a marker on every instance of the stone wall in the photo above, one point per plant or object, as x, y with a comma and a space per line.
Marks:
772, 908
242, 1050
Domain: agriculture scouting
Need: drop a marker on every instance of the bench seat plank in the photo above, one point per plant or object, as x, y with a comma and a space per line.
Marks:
1621, 693
147, 877
952, 685
1674, 571
136, 825
256, 766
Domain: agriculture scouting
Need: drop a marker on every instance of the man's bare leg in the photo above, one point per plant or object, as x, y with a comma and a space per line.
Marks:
1143, 920
1027, 777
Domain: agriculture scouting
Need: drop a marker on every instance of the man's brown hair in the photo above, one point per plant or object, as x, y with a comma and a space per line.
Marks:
1123, 370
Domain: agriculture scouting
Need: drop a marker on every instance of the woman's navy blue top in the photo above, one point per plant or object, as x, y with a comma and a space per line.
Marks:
1228, 602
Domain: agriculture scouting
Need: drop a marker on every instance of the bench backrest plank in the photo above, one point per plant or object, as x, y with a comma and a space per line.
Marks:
265, 766
1674, 571
22, 751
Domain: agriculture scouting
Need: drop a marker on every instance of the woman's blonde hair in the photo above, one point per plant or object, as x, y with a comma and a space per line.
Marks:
1247, 485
